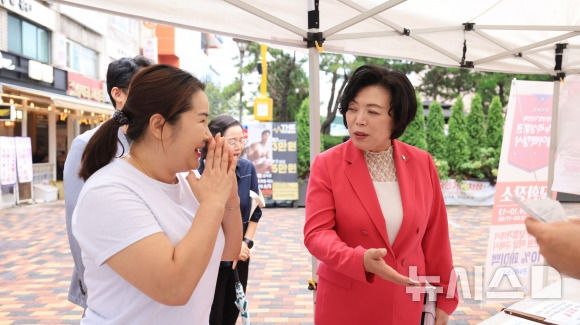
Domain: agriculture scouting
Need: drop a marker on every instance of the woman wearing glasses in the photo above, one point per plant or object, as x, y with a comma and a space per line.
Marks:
223, 310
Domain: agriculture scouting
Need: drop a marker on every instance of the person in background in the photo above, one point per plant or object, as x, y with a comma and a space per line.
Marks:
223, 310
375, 215
151, 237
559, 244
119, 74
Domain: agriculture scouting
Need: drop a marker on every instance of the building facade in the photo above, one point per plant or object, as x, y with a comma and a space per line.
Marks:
52, 79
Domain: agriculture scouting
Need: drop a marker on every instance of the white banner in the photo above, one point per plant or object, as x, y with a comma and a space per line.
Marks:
7, 161
24, 159
471, 193
523, 172
567, 166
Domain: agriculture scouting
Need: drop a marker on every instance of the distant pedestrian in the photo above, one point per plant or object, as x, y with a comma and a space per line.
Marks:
224, 310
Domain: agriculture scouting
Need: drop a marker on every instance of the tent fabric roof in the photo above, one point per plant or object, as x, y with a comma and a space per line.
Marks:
514, 36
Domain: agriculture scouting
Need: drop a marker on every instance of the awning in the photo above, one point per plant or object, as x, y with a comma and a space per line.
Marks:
80, 104
63, 101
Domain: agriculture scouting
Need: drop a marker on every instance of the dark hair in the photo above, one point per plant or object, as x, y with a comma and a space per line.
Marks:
220, 124
266, 131
157, 89
120, 72
403, 106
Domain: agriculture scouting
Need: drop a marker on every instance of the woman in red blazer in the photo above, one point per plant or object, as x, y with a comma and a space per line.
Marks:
375, 215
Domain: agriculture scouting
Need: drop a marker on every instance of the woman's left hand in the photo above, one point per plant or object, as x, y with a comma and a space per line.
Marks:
441, 317
244, 252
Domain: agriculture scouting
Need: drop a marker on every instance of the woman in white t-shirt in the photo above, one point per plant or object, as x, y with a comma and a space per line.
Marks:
151, 235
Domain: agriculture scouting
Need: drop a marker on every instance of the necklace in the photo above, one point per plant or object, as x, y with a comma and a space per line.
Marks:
137, 164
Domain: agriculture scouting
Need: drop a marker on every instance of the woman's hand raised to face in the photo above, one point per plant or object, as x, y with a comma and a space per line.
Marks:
218, 180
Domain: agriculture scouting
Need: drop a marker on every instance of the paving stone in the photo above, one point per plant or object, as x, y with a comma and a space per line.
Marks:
35, 266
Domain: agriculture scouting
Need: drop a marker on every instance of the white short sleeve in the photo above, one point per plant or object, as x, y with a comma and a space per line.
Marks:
103, 231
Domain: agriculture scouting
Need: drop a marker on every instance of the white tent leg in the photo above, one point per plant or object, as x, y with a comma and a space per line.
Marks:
314, 99
553, 135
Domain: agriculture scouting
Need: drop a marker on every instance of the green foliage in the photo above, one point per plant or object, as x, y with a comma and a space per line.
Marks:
415, 132
483, 168
457, 146
494, 131
287, 81
220, 102
491, 84
435, 133
303, 135
446, 83
442, 168
329, 141
475, 129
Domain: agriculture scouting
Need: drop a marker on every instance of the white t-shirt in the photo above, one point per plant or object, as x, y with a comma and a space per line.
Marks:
118, 206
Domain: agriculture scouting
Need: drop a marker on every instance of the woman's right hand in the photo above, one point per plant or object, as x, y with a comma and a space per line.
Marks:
374, 263
218, 179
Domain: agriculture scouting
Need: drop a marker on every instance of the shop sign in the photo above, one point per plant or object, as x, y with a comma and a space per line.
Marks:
6, 63
40, 71
85, 88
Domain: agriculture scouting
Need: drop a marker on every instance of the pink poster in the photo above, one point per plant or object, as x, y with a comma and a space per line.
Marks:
7, 161
530, 141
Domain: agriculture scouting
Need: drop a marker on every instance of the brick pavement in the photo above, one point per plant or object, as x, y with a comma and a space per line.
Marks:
35, 265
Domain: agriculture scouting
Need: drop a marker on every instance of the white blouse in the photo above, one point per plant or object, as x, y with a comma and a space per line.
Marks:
381, 166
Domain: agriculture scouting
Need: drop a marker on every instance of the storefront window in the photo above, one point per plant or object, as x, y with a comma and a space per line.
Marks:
14, 34
61, 147
28, 39
38, 132
84, 127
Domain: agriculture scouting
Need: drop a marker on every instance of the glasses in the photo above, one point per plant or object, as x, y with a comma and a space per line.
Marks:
236, 141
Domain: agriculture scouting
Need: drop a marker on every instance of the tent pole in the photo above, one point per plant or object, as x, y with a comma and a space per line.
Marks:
314, 80
553, 135
314, 101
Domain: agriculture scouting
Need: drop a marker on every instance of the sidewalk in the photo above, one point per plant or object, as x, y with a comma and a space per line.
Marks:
35, 266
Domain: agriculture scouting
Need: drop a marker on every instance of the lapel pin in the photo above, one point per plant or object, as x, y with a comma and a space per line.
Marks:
403, 157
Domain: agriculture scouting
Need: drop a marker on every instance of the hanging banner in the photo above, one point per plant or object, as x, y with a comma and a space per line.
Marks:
7, 161
24, 159
259, 152
567, 165
523, 172
272, 150
285, 164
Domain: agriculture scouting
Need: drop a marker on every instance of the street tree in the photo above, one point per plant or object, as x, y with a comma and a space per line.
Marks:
494, 130
475, 128
287, 81
435, 132
457, 144
415, 131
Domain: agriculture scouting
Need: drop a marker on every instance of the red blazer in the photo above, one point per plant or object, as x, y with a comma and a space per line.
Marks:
344, 218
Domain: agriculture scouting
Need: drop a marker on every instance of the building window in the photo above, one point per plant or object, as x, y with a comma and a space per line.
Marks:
28, 39
82, 60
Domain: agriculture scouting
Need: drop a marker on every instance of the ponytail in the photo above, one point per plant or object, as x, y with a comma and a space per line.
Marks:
102, 146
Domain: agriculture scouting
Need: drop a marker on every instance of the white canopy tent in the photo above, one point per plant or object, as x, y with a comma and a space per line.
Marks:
513, 36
